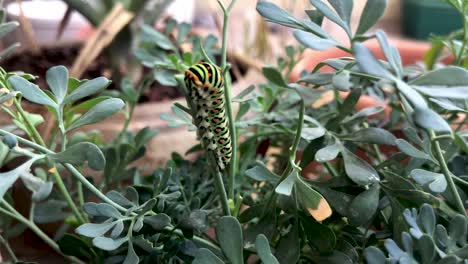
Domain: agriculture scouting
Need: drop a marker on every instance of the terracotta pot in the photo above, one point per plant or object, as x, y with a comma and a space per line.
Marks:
411, 51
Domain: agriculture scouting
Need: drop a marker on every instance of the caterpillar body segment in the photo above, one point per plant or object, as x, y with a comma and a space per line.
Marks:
206, 89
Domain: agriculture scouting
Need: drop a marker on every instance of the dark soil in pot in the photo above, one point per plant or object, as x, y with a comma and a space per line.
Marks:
38, 64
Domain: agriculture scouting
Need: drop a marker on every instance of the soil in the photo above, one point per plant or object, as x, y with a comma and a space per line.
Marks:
38, 64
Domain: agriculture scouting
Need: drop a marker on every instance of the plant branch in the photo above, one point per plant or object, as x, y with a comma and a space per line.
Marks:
227, 94
69, 167
92, 188
218, 179
15, 214
8, 249
440, 158
145, 83
38, 139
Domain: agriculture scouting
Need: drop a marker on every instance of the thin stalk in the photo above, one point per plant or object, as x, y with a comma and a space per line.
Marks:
69, 167
143, 85
297, 137
79, 188
443, 165
459, 56
218, 179
58, 180
331, 169
460, 180
292, 153
8, 249
30, 127
91, 187
15, 214
63, 189
227, 94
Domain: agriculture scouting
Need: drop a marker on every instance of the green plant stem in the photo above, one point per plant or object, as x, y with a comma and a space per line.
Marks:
58, 180
69, 167
79, 188
63, 189
297, 137
459, 56
145, 83
331, 169
443, 165
8, 249
228, 104
218, 179
459, 180
92, 188
15, 214
292, 152
30, 127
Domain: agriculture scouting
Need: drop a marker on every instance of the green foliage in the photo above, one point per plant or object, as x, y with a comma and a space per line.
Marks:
428, 242
316, 180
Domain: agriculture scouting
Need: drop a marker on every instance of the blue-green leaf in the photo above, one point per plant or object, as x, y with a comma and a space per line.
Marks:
57, 79
363, 207
309, 40
229, 234
373, 135
374, 254
286, 186
80, 153
427, 118
436, 181
94, 230
358, 170
391, 53
98, 112
343, 8
10, 177
274, 76
328, 153
108, 244
86, 89
261, 173
453, 92
204, 256
446, 76
31, 91
313, 201
410, 150
132, 257
373, 11
264, 251
368, 63
273, 13
327, 12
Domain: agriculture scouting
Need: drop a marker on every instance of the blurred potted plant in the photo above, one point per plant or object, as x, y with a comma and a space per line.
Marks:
420, 19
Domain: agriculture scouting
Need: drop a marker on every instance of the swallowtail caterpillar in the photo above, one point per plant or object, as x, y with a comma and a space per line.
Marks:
205, 85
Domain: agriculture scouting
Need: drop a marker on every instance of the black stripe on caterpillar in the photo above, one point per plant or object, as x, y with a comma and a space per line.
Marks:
205, 85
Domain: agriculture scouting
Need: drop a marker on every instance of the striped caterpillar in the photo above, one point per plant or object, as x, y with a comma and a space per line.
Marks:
204, 82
